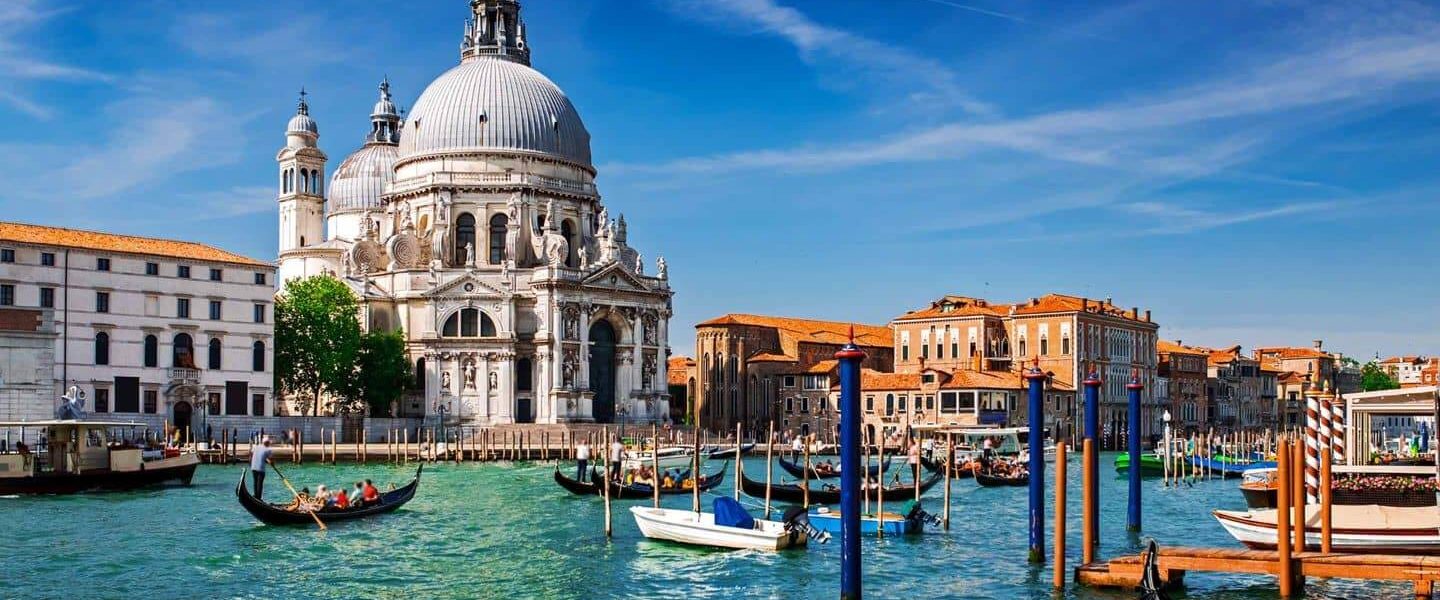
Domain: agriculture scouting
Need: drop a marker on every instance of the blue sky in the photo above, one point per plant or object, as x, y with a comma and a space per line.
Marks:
1254, 172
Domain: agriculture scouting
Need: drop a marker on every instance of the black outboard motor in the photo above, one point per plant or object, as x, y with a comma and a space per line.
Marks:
1151, 586
796, 518
917, 512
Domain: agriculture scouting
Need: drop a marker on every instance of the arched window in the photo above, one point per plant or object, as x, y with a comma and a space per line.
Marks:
522, 375
182, 354
152, 351
315, 182
257, 357
304, 180
468, 322
464, 236
214, 351
102, 348
567, 229
498, 226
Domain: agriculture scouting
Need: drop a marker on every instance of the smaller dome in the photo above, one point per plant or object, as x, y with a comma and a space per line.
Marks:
384, 108
302, 123
362, 177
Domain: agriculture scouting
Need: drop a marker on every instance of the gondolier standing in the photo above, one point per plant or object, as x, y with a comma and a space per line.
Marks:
258, 459
582, 460
617, 453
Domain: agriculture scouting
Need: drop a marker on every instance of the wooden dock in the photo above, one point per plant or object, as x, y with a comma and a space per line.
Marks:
1125, 571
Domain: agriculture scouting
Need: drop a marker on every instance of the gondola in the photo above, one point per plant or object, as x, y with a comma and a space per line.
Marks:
798, 471
966, 470
630, 492
995, 481
828, 493
271, 514
729, 453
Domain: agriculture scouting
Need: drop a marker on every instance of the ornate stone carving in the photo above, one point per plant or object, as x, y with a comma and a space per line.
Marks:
365, 256
470, 374
569, 365
445, 380
647, 371
571, 315
651, 328
494, 383
639, 264
662, 270
404, 251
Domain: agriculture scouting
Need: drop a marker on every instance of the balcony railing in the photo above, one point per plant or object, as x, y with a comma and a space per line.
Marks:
511, 178
183, 375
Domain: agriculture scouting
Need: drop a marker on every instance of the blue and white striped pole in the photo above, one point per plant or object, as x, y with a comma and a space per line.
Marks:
850, 357
1036, 378
1132, 523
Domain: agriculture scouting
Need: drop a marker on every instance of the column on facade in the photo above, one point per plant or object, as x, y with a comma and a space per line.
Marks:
505, 395
482, 387
662, 361
557, 346
457, 384
582, 376
542, 381
637, 329
433, 366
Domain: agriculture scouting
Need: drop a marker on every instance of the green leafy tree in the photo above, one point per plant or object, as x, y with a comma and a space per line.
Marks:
382, 372
317, 339
1372, 378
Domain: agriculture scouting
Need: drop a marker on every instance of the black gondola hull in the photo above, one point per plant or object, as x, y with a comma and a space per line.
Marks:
993, 481
630, 492
97, 481
798, 471
273, 515
792, 493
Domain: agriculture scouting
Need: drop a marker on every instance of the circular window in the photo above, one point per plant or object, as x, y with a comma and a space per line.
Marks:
469, 287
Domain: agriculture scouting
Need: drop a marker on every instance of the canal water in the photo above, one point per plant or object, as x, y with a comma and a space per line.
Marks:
506, 530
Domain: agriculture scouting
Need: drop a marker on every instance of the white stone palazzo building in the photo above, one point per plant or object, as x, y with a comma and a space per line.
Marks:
474, 225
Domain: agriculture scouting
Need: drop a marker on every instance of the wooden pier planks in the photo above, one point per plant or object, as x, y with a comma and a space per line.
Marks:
1125, 571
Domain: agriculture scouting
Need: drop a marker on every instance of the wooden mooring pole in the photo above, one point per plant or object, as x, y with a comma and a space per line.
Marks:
1087, 511
608, 478
949, 470
769, 466
1282, 519
1325, 500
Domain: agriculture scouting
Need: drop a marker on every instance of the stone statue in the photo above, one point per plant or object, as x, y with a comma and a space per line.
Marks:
662, 270
494, 382
73, 406
604, 222
470, 254
620, 230
584, 256
445, 380
639, 264
470, 375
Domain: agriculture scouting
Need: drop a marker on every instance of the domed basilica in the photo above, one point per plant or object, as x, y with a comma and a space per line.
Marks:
474, 226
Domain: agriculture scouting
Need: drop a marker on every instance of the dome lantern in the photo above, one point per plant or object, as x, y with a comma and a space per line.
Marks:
495, 30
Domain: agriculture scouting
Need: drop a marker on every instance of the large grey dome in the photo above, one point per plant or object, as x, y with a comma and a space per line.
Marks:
362, 177
491, 104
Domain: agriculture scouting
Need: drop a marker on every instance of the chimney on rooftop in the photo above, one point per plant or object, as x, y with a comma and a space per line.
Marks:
1147, 315
1179, 342
1034, 301
1319, 344
1084, 305
1135, 312
1109, 300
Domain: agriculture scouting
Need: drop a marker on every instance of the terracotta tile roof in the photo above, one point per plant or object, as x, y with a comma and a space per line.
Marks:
771, 357
1290, 378
110, 242
875, 380
1223, 355
794, 331
1284, 352
963, 306
947, 380
677, 369
1395, 360
824, 366
1169, 347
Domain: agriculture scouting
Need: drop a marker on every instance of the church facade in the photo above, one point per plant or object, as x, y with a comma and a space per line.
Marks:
474, 226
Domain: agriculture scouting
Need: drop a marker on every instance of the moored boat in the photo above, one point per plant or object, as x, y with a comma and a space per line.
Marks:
619, 491
271, 514
729, 526
986, 480
822, 471
82, 456
668, 458
1354, 528
729, 453
829, 493
909, 520
1150, 464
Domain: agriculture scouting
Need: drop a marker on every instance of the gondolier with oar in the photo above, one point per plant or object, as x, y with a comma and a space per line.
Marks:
259, 458
582, 460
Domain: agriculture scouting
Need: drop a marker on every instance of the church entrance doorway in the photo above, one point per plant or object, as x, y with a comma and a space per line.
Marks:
602, 371
183, 414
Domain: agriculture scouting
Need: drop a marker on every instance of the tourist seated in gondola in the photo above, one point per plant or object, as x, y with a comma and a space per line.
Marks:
322, 495
357, 495
370, 495
668, 481
340, 500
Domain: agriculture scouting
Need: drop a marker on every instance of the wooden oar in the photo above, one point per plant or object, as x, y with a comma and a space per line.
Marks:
298, 502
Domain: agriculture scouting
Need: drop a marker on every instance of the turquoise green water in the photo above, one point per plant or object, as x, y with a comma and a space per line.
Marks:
506, 530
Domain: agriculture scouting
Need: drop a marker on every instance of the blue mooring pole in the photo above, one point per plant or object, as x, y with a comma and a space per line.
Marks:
850, 356
1092, 433
1036, 378
1132, 521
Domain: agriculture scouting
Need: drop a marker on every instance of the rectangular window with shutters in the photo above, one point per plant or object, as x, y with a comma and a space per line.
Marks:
182, 308
967, 401
152, 268
7, 295
257, 405
182, 271
217, 275
948, 403
214, 310
102, 400
47, 297
7, 255
102, 302
259, 313
127, 394
152, 401
259, 279
870, 404
102, 264
47, 259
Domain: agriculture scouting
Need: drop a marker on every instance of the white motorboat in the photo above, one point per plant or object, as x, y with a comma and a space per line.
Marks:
669, 458
700, 529
1354, 528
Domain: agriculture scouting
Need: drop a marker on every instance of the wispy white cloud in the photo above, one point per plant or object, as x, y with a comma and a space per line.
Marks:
926, 81
1176, 218
295, 41
19, 63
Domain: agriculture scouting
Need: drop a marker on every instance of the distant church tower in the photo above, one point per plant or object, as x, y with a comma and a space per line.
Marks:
302, 183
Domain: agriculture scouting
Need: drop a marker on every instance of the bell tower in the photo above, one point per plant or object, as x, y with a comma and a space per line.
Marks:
302, 182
